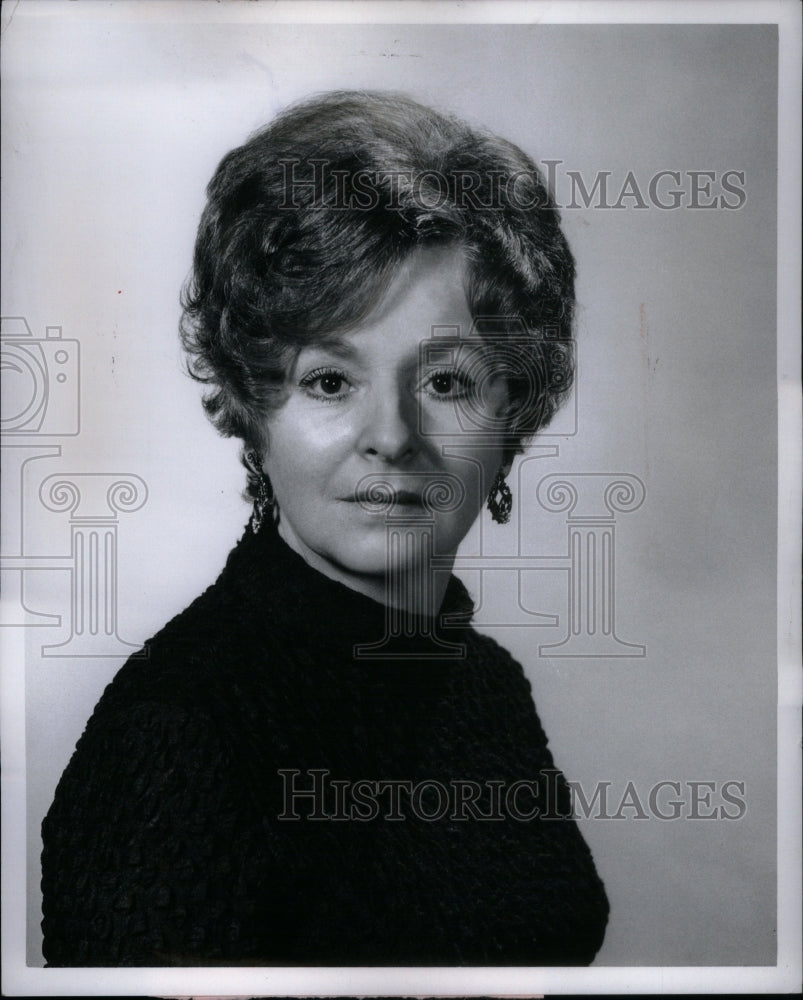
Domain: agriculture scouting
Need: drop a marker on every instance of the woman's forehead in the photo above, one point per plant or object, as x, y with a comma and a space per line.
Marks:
369, 348
428, 286
423, 318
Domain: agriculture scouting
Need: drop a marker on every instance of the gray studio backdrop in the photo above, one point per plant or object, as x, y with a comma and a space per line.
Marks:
113, 129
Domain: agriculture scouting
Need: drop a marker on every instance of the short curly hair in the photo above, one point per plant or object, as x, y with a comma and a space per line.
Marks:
307, 222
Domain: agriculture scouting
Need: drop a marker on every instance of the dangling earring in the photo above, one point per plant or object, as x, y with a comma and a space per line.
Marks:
500, 499
263, 503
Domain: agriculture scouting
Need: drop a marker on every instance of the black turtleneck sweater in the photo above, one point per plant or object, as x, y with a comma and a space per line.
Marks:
171, 839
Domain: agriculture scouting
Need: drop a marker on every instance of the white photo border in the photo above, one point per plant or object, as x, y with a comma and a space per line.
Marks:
20, 979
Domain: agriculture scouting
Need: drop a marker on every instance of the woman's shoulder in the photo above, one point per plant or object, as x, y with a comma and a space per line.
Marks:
166, 716
201, 651
496, 683
153, 781
494, 662
175, 667
186, 690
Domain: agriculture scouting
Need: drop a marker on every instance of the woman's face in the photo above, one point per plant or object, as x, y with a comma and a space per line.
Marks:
367, 407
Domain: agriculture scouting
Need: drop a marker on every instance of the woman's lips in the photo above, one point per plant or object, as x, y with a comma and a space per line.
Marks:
387, 498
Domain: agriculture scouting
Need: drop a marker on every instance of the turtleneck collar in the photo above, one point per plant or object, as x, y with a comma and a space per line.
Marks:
265, 570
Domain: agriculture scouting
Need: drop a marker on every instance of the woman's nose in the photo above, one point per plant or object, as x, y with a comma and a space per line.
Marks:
389, 426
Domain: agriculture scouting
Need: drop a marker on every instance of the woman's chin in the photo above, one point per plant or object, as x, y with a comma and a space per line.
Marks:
376, 546
369, 556
367, 562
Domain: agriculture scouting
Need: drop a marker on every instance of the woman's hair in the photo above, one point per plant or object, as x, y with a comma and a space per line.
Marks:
308, 221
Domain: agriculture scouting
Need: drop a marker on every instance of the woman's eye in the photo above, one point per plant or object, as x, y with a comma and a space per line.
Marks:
447, 385
326, 383
442, 384
330, 384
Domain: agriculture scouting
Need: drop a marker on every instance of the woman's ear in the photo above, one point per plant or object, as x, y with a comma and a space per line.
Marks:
252, 460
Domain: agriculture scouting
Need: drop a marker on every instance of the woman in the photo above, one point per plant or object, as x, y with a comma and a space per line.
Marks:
320, 761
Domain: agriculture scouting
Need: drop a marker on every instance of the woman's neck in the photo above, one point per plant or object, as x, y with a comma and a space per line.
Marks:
416, 588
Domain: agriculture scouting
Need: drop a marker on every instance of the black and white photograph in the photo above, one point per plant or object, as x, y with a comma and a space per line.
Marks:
401, 498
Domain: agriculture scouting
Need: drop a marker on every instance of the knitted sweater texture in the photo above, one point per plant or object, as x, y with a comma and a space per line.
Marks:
180, 833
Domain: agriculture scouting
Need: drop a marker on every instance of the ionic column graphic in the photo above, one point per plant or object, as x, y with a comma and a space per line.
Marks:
410, 562
94, 501
591, 501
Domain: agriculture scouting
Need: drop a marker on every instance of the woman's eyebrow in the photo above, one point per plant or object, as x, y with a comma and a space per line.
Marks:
333, 345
